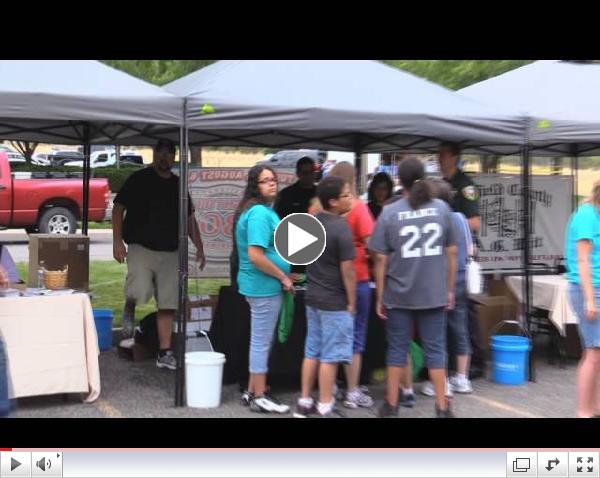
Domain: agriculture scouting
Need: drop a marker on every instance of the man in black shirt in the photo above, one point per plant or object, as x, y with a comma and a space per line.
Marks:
150, 201
297, 197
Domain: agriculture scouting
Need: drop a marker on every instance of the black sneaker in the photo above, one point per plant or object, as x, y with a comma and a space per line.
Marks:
166, 360
407, 399
444, 413
387, 410
267, 404
246, 398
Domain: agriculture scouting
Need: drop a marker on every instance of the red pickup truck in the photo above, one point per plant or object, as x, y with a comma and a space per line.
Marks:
46, 204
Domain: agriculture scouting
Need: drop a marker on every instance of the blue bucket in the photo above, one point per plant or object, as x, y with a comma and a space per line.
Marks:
509, 359
104, 319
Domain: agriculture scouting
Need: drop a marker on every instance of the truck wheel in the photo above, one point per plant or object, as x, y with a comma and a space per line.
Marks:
58, 220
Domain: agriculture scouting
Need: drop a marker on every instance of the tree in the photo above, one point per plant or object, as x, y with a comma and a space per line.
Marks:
453, 74
457, 74
26, 148
158, 72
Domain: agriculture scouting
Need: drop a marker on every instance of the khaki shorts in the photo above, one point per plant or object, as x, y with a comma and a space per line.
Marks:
152, 273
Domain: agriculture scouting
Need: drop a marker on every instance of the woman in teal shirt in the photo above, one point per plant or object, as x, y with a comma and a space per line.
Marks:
583, 271
262, 278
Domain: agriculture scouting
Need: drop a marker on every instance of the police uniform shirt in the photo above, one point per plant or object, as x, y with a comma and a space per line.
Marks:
465, 195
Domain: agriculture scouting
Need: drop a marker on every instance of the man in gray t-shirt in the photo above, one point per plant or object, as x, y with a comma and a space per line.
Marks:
415, 242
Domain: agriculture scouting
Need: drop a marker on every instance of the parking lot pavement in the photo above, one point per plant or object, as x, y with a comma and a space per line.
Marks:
142, 390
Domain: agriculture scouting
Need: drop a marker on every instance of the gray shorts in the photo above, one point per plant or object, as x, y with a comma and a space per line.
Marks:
432, 330
152, 273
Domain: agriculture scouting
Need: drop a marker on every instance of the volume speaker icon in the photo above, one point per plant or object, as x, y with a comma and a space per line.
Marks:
43, 463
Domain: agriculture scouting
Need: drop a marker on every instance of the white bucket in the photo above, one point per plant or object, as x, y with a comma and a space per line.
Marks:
204, 379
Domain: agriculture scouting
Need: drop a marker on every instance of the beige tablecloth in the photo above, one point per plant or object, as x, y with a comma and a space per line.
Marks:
52, 345
548, 292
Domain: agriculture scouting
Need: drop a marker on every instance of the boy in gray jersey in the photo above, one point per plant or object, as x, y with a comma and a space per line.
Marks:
415, 270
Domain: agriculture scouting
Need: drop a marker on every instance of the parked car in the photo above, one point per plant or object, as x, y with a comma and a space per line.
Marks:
40, 159
6, 149
58, 158
15, 158
287, 159
47, 203
101, 159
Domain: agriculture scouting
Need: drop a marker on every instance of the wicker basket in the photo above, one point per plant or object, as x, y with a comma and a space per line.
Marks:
55, 279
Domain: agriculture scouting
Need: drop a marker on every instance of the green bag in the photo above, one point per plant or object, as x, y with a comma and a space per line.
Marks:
286, 317
418, 359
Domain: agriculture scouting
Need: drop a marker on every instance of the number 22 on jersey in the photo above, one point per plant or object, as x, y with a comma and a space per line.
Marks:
430, 231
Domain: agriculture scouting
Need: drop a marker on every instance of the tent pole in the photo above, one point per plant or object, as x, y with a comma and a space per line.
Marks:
526, 209
574, 176
360, 179
86, 179
182, 312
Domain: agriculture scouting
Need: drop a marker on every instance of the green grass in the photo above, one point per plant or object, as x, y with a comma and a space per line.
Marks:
107, 280
97, 225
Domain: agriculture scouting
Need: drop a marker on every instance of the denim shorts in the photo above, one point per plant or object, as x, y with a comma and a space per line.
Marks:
361, 319
329, 335
264, 312
589, 330
458, 325
432, 330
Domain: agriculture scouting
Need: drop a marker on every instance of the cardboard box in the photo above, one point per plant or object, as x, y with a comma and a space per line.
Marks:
58, 251
491, 310
499, 287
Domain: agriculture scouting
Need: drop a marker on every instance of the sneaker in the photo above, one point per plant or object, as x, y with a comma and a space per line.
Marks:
304, 412
428, 389
444, 413
407, 399
167, 360
461, 385
268, 404
246, 398
387, 411
359, 398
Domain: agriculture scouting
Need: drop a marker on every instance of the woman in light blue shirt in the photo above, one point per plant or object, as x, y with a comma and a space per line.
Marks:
262, 278
582, 251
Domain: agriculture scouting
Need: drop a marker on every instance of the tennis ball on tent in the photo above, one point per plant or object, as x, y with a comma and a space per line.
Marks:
207, 109
543, 124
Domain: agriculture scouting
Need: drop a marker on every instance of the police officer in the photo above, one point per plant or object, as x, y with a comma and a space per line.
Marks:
465, 194
465, 200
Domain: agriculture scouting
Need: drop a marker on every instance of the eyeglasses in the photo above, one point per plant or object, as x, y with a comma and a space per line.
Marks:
268, 181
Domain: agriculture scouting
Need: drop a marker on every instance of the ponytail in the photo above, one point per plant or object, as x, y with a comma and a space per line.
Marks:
420, 193
412, 177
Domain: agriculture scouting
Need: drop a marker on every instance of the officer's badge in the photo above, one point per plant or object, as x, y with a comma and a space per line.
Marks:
470, 193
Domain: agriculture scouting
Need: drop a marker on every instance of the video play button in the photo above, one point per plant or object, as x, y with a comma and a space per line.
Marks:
14, 464
300, 239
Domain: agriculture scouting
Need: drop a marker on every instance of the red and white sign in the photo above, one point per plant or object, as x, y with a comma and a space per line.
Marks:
216, 193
